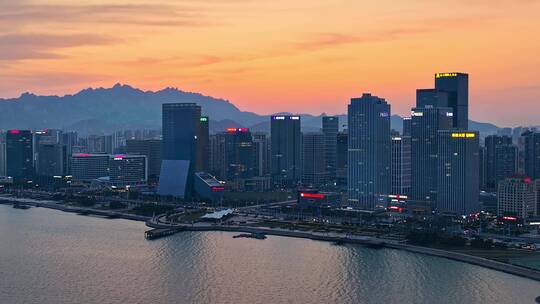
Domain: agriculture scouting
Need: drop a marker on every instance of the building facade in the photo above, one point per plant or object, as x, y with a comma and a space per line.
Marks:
286, 150
369, 152
458, 172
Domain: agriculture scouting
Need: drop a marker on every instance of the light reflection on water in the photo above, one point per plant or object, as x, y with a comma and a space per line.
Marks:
48, 256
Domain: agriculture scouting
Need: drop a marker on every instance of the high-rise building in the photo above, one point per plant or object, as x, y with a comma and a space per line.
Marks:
49, 153
218, 164
431, 98
457, 87
2, 153
369, 152
407, 124
501, 159
19, 155
531, 151
314, 166
181, 126
151, 148
458, 172
203, 145
482, 168
286, 150
330, 129
239, 153
517, 197
341, 158
401, 165
261, 149
425, 124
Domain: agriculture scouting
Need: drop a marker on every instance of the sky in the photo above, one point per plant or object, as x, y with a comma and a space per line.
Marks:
266, 56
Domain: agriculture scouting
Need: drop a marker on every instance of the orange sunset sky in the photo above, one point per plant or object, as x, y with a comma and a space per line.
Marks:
307, 56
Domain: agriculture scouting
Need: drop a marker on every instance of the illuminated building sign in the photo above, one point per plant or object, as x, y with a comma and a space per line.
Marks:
278, 117
396, 138
463, 135
203, 119
396, 209
413, 113
216, 189
449, 114
234, 130
397, 196
312, 195
14, 131
243, 130
509, 218
440, 75
295, 117
81, 155
231, 130
384, 114
118, 157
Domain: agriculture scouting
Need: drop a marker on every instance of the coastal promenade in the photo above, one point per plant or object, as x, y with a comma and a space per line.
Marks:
81, 210
362, 240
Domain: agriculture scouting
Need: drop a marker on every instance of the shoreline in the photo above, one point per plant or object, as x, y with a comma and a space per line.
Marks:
363, 240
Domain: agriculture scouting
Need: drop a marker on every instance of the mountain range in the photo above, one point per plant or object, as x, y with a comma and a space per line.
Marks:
121, 107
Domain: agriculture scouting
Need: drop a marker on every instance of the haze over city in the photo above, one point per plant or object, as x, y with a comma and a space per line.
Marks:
275, 56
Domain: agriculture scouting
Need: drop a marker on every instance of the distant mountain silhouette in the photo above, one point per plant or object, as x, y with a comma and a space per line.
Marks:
104, 110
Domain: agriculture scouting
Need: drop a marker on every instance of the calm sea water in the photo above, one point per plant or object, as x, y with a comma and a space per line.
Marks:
52, 257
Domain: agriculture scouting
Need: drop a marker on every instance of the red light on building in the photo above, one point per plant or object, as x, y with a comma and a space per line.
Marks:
509, 218
14, 131
231, 130
81, 155
396, 208
243, 130
216, 189
527, 180
312, 195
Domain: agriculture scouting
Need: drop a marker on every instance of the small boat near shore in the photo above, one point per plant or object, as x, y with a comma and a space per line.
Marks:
21, 206
258, 236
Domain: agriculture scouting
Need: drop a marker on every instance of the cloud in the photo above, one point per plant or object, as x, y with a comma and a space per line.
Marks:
135, 14
42, 46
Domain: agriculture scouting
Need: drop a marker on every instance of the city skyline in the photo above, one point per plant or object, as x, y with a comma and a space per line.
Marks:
312, 61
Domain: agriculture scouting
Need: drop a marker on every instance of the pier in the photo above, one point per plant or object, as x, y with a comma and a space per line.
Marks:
157, 233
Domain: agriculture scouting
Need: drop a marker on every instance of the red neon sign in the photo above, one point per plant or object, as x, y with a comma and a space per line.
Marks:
509, 218
216, 189
243, 130
312, 195
81, 155
14, 131
231, 129
527, 180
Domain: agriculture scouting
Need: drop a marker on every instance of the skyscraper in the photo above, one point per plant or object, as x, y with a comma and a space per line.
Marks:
457, 87
458, 172
286, 149
181, 125
401, 165
2, 153
314, 166
19, 158
341, 158
425, 124
330, 128
369, 151
239, 153
260, 146
49, 153
531, 151
203, 145
501, 159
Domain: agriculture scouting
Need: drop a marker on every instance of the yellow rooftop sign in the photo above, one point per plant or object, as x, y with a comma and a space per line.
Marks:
463, 135
440, 75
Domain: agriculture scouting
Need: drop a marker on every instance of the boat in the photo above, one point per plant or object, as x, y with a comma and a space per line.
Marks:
21, 206
258, 236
